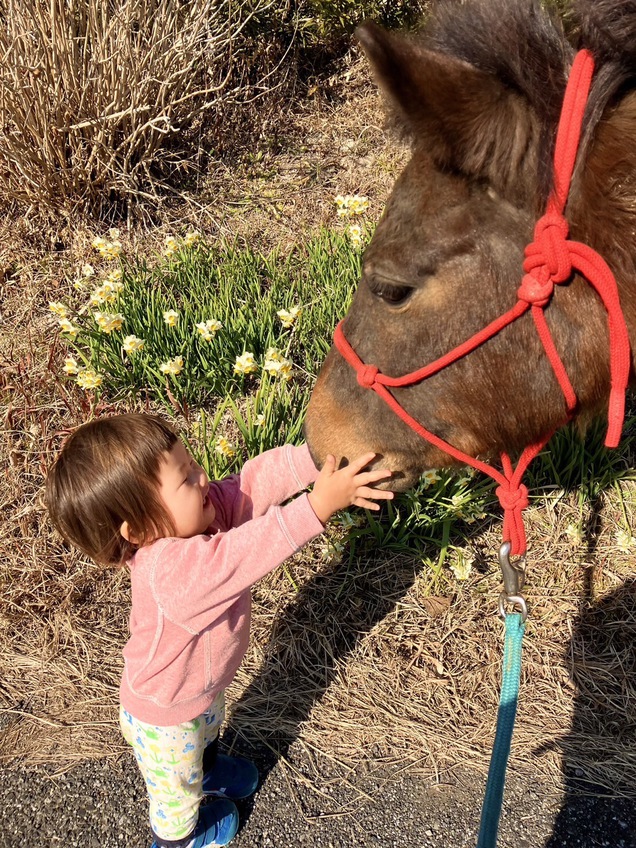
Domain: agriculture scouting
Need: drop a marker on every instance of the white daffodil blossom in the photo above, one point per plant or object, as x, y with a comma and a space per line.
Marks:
59, 309
88, 378
624, 541
132, 344
171, 317
208, 329
171, 246
192, 238
355, 234
88, 270
109, 322
68, 329
289, 317
278, 368
70, 366
245, 364
259, 421
430, 477
224, 448
172, 366
462, 566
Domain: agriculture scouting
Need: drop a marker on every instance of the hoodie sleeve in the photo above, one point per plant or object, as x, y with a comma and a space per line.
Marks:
268, 479
195, 580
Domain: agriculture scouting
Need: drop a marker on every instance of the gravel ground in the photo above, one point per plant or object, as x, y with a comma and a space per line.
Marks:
102, 805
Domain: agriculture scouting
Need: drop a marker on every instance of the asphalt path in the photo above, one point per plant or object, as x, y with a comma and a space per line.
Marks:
103, 805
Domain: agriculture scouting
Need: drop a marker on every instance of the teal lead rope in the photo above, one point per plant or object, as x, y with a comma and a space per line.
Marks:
511, 672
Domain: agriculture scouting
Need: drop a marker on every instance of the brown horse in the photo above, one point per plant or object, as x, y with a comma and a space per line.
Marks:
479, 91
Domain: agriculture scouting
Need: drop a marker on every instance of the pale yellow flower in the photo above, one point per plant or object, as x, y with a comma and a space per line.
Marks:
108, 249
172, 366
132, 344
429, 477
70, 366
245, 364
288, 318
624, 541
208, 329
462, 566
107, 322
68, 328
114, 276
58, 309
355, 234
88, 378
276, 365
87, 270
260, 420
171, 246
224, 448
99, 243
192, 238
358, 204
171, 317
113, 234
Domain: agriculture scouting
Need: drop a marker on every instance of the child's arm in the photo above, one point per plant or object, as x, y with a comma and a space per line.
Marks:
197, 580
268, 479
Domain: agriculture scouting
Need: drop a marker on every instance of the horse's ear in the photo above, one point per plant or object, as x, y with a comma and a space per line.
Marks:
465, 118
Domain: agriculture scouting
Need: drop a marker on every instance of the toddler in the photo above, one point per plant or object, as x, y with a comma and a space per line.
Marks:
125, 490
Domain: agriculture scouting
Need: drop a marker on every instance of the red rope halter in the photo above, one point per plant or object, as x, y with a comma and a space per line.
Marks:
550, 260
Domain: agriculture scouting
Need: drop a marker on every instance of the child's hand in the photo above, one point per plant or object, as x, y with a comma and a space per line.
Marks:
334, 490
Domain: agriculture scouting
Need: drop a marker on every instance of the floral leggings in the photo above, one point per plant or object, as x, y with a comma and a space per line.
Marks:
171, 762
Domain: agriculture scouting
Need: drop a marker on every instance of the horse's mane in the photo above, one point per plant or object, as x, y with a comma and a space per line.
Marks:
525, 45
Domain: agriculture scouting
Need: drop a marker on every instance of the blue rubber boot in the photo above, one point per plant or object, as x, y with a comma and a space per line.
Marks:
217, 825
232, 777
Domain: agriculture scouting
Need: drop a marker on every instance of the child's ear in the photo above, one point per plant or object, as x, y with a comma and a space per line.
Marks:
128, 536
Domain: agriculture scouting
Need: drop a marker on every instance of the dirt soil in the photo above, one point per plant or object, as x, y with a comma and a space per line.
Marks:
381, 735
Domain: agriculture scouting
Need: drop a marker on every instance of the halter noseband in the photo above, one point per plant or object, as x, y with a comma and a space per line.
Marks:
549, 260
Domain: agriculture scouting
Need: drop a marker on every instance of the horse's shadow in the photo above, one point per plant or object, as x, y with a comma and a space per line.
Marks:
599, 751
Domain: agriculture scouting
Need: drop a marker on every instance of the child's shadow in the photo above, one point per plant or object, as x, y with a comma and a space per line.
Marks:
309, 639
599, 752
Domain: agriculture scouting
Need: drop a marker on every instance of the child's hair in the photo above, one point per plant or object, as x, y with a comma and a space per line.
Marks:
107, 473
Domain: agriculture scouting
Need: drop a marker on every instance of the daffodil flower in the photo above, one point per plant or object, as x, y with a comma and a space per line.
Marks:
172, 366
132, 344
87, 270
70, 366
430, 477
88, 378
355, 234
107, 323
192, 238
224, 448
624, 541
462, 566
171, 317
288, 317
245, 364
259, 421
58, 309
208, 329
68, 329
171, 246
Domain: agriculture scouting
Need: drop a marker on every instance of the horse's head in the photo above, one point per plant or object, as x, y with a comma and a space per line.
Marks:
480, 96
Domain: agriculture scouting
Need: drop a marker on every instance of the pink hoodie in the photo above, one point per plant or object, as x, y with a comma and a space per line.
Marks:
191, 600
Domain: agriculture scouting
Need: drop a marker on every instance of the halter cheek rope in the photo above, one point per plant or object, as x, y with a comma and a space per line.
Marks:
550, 260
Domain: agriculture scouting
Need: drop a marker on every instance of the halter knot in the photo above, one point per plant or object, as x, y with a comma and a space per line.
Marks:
548, 259
366, 376
509, 498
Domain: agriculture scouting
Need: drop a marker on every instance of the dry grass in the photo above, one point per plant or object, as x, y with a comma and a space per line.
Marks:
98, 101
366, 659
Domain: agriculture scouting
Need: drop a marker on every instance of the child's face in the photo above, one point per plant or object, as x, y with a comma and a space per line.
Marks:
183, 487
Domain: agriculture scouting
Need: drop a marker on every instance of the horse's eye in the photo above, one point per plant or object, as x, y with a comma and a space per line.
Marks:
393, 295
